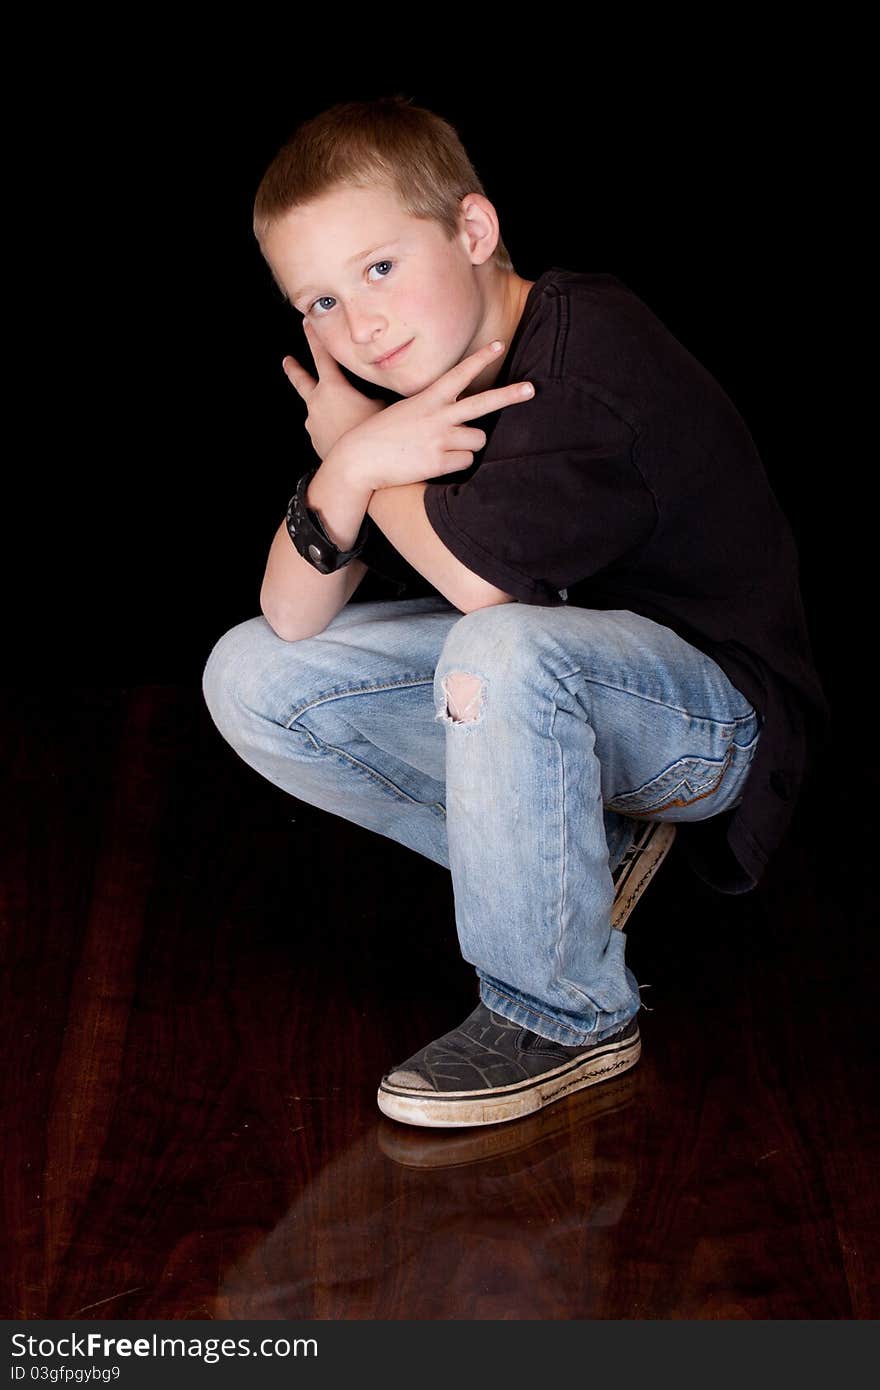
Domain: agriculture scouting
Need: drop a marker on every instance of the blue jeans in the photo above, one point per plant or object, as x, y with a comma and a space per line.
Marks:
576, 722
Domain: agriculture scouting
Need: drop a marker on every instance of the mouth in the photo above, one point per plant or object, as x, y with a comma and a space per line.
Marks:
391, 358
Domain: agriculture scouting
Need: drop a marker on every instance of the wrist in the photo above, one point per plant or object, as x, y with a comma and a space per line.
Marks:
323, 518
347, 473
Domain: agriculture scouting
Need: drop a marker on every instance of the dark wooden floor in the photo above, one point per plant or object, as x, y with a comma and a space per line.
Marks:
204, 981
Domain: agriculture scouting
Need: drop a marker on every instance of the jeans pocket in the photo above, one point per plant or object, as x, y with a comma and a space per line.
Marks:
742, 757
680, 785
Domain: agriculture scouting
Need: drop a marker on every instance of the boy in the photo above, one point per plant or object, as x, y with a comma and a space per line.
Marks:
603, 623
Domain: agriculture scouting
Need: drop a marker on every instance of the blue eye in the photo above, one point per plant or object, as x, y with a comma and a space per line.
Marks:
322, 314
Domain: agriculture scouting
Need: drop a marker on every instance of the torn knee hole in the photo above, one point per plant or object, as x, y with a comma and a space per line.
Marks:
464, 696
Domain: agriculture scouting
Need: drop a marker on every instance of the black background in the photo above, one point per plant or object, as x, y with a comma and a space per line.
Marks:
163, 440
153, 441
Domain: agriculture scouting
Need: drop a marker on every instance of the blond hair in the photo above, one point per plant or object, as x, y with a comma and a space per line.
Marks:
387, 143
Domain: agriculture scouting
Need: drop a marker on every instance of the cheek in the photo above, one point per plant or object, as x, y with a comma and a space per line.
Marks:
443, 313
445, 322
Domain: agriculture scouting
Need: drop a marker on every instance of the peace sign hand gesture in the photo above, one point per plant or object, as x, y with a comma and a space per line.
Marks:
424, 436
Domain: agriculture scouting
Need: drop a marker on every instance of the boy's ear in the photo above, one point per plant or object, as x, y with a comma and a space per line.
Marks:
479, 226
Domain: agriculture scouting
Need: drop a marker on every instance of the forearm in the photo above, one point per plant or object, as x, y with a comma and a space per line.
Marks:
298, 601
295, 598
399, 512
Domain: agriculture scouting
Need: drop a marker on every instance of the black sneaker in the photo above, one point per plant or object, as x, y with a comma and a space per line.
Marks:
488, 1070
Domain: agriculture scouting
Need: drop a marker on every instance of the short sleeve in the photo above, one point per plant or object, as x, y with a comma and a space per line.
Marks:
556, 497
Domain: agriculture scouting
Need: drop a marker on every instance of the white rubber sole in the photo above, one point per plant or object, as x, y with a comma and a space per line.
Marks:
453, 1108
414, 1146
653, 841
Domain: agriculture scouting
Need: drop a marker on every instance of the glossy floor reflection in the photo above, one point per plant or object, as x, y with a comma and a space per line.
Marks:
488, 1225
205, 980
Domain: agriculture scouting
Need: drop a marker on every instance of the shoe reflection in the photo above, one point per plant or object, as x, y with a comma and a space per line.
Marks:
496, 1222
415, 1147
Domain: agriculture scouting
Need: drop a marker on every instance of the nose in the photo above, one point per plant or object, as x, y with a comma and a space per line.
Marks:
363, 324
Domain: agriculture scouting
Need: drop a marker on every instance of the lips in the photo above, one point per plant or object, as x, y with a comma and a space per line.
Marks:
391, 358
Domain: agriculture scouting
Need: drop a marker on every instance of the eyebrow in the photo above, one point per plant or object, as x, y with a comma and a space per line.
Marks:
352, 260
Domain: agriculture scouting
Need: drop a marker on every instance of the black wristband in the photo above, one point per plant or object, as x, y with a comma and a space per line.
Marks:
311, 540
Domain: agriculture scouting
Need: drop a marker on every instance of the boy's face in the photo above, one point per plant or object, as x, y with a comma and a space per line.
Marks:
414, 286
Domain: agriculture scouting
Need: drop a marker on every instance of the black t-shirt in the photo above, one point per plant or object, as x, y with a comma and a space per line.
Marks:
631, 481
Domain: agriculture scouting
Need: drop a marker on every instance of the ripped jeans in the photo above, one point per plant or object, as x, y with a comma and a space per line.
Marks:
513, 745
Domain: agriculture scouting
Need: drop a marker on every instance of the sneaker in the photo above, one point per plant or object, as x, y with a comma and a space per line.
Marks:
489, 1070
519, 1146
651, 843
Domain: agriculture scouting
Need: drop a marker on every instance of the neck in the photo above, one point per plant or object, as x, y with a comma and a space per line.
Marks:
501, 322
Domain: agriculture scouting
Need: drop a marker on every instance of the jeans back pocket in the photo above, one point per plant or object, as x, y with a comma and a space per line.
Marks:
678, 787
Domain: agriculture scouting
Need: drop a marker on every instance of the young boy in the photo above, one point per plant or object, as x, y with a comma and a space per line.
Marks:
602, 623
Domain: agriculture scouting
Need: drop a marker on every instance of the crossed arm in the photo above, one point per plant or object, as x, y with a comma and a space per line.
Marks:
399, 512
420, 438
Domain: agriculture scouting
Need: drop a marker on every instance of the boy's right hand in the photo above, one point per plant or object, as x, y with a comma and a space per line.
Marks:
334, 405
424, 436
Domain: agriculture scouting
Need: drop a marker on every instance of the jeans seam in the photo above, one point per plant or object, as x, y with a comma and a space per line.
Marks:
664, 704
557, 948
373, 775
356, 690
557, 1023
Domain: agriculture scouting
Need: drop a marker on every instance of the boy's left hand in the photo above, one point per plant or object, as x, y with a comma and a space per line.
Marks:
334, 405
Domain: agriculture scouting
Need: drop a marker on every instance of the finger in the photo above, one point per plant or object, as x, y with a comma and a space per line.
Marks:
455, 459
298, 376
464, 438
454, 381
484, 402
325, 362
